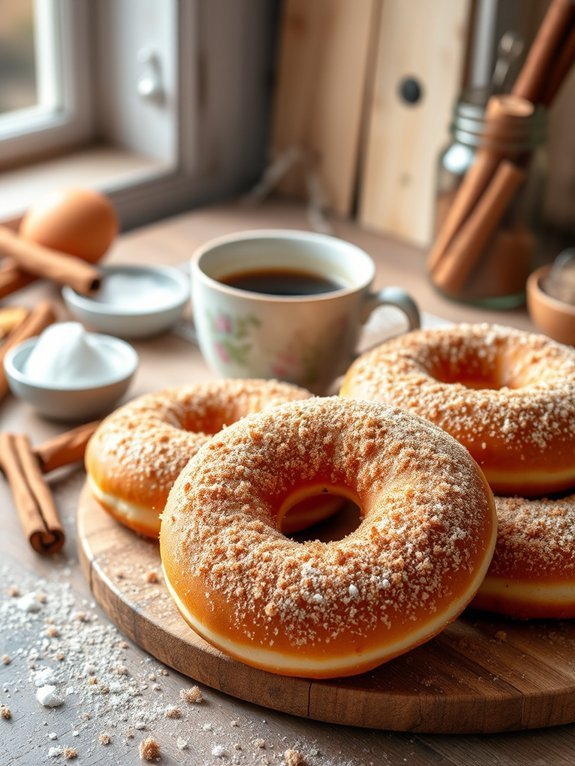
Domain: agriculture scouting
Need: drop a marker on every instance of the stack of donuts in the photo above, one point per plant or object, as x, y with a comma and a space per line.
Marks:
422, 428
509, 397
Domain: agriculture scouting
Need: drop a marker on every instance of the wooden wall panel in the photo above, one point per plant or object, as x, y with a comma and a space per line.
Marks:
424, 40
340, 65
323, 66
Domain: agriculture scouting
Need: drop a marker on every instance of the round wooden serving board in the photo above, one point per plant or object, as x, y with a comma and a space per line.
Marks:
482, 674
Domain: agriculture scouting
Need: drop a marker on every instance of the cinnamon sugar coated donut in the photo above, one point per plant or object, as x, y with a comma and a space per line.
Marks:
506, 395
137, 452
326, 609
532, 573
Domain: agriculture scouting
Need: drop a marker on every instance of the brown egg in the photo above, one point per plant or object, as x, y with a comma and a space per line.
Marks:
81, 222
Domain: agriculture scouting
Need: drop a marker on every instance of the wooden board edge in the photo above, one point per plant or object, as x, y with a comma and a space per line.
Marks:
320, 700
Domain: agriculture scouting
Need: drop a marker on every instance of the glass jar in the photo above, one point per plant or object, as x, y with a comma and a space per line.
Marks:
498, 277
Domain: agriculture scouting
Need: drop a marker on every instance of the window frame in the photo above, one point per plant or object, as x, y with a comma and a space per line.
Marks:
27, 134
220, 102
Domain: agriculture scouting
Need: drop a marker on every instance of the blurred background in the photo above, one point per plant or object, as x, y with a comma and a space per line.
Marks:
170, 105
17, 57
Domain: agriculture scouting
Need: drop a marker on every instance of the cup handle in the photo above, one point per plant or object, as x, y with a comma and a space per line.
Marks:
387, 296
394, 296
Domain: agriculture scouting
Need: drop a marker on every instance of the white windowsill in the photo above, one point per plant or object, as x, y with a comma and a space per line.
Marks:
101, 167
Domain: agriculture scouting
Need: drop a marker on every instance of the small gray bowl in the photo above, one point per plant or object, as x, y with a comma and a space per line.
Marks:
70, 402
133, 302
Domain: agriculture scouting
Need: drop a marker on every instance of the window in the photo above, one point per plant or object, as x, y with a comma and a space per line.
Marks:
163, 105
44, 99
18, 57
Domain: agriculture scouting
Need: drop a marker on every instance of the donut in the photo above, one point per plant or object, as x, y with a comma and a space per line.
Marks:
326, 609
137, 452
532, 573
506, 395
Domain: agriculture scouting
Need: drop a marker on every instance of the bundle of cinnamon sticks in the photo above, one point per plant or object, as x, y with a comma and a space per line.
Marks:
490, 186
24, 467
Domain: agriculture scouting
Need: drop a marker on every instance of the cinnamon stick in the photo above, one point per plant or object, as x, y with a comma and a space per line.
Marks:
43, 262
465, 249
34, 502
503, 115
65, 448
505, 265
12, 278
554, 27
39, 318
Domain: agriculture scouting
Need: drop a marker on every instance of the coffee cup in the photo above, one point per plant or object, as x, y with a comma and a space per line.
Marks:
285, 304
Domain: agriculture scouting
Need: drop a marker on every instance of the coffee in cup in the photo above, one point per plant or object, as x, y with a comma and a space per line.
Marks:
285, 304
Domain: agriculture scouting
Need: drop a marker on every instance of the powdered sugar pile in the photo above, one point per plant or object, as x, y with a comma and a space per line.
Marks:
94, 699
76, 660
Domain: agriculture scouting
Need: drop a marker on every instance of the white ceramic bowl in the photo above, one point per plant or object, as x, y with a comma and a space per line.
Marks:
133, 302
70, 402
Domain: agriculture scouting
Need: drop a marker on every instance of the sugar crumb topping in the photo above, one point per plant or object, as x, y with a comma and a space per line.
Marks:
480, 383
535, 537
152, 437
426, 514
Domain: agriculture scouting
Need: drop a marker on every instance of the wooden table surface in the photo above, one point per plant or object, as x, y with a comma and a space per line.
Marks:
112, 689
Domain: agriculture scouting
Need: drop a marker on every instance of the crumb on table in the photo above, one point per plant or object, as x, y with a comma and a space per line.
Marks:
192, 695
294, 758
149, 749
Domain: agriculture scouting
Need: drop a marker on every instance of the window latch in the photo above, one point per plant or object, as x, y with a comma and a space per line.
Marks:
150, 82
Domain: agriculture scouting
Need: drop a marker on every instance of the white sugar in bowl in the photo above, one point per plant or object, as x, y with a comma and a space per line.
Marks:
133, 301
68, 374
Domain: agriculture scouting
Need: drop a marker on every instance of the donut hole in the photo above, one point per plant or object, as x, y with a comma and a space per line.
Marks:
326, 514
343, 522
475, 383
209, 419
486, 369
209, 424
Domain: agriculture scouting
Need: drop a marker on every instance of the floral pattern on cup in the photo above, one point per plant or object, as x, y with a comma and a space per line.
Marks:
301, 360
233, 339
